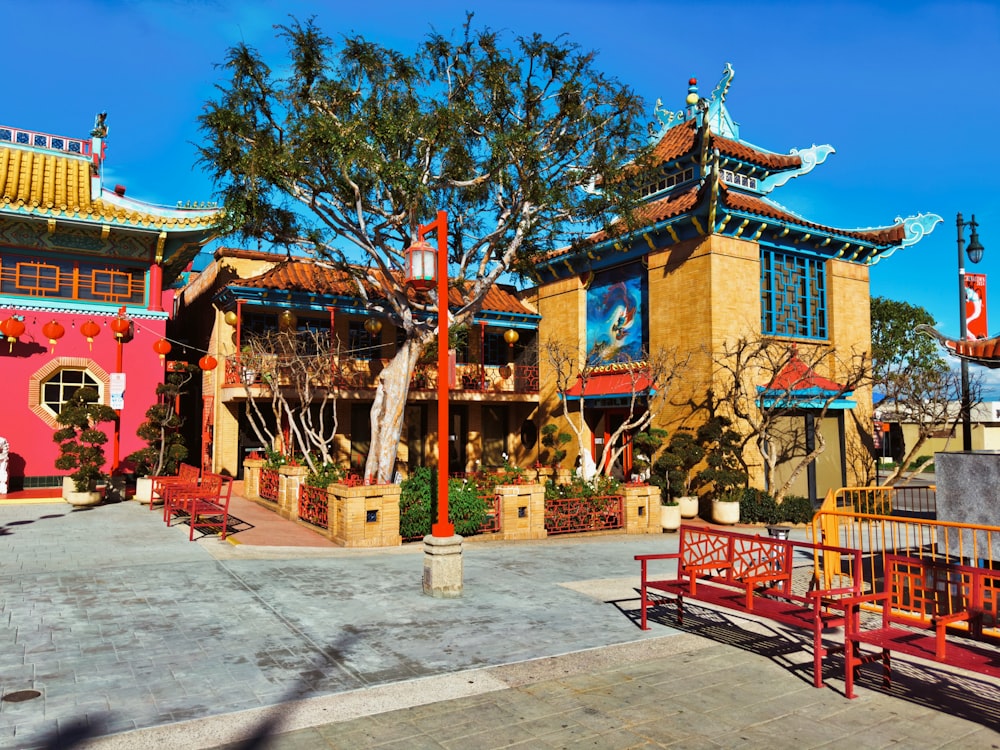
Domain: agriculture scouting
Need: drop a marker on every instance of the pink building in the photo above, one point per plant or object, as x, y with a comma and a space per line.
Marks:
77, 262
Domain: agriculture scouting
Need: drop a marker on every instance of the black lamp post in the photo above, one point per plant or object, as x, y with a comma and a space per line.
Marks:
975, 252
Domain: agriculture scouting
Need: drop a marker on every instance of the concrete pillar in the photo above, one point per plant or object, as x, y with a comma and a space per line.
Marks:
443, 566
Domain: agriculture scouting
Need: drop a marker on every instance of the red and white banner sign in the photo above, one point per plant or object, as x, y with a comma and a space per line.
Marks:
975, 306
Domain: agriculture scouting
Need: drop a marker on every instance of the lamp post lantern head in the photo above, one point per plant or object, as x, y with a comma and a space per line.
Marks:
975, 248
421, 265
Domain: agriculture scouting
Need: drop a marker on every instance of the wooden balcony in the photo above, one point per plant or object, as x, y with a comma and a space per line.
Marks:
359, 375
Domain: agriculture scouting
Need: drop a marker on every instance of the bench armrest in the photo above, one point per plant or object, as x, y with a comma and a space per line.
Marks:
852, 601
664, 556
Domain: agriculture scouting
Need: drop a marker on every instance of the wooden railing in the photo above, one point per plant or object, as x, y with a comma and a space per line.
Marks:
362, 374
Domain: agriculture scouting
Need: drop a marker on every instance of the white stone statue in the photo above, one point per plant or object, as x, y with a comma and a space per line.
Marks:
587, 468
4, 456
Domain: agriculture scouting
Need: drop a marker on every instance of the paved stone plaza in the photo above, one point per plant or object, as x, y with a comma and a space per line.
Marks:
134, 634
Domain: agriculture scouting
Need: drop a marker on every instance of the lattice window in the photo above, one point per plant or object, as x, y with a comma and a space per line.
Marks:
793, 295
67, 279
57, 389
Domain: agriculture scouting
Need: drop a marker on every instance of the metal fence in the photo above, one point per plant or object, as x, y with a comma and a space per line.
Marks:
576, 514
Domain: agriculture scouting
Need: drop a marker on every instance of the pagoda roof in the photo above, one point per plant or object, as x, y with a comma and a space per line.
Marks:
53, 185
682, 140
700, 178
798, 386
985, 352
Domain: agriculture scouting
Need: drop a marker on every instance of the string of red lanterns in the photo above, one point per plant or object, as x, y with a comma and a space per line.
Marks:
13, 327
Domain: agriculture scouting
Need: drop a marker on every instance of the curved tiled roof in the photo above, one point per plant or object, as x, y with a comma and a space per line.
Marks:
740, 201
315, 277
680, 140
57, 185
45, 179
985, 352
667, 207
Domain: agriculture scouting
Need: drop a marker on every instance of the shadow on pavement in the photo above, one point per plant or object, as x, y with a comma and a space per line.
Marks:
956, 693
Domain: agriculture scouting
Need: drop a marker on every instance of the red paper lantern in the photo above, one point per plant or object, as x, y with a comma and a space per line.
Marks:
12, 328
207, 363
53, 331
120, 326
90, 329
162, 347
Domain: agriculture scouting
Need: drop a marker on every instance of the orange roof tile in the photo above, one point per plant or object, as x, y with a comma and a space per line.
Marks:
321, 278
740, 201
680, 140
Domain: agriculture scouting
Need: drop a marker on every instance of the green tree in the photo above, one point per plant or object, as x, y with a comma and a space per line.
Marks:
165, 447
347, 149
913, 377
897, 346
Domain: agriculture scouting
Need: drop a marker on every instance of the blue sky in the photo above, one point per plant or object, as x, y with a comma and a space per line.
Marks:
905, 92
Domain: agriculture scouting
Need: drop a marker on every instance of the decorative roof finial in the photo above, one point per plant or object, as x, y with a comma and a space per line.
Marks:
692, 97
100, 125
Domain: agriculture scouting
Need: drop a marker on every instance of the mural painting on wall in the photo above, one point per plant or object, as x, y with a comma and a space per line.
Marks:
616, 315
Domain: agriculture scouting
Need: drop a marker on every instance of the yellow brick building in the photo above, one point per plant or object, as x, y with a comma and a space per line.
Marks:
709, 260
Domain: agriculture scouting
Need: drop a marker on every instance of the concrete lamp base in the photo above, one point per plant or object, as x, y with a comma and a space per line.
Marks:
443, 566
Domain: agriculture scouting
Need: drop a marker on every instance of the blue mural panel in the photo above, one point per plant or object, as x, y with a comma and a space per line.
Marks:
616, 315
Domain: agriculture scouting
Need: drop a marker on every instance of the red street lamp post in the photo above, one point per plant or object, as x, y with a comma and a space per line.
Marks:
422, 272
443, 548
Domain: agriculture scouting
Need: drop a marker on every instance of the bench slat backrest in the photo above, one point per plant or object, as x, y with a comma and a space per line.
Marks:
921, 590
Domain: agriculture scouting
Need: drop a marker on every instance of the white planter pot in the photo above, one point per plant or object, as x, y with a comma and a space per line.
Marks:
688, 506
725, 512
670, 517
143, 489
82, 499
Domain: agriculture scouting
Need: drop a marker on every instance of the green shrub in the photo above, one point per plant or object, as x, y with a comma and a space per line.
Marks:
418, 505
758, 506
579, 487
796, 509
325, 475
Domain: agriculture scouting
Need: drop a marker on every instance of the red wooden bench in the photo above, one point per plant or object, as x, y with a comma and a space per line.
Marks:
207, 499
923, 603
751, 574
186, 474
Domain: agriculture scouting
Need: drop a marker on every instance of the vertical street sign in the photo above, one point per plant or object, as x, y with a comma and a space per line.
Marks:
975, 306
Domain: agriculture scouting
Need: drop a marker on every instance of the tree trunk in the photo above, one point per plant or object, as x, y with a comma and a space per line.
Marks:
388, 411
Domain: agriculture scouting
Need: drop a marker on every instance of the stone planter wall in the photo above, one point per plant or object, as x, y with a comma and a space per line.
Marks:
642, 509
522, 511
364, 516
289, 480
251, 477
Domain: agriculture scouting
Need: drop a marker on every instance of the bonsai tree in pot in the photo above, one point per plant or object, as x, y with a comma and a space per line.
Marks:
645, 445
725, 470
81, 443
554, 440
677, 462
165, 447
